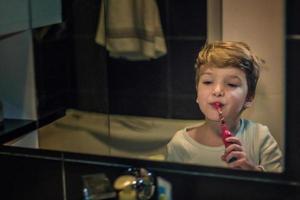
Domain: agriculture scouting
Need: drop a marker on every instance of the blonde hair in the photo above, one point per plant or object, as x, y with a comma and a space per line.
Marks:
234, 54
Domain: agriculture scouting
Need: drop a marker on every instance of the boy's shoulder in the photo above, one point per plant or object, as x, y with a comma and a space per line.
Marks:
184, 130
250, 124
255, 129
181, 136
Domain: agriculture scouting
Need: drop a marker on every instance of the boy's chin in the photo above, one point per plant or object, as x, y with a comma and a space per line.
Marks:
213, 119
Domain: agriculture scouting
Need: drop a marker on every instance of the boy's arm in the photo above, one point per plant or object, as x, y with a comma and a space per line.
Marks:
271, 159
172, 153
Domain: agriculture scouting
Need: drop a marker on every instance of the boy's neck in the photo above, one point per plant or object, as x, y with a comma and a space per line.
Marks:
209, 133
233, 126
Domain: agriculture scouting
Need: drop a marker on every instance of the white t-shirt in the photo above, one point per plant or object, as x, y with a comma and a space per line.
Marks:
260, 147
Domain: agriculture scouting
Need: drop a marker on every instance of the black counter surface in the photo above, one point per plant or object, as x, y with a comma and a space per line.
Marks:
13, 128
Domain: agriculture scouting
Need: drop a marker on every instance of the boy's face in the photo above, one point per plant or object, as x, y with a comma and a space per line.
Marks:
225, 85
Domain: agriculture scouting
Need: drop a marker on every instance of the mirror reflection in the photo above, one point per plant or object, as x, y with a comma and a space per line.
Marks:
128, 69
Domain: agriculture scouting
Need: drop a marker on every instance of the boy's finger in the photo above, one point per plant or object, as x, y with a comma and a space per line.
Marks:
233, 140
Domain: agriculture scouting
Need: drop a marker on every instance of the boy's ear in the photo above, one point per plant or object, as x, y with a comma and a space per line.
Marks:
248, 102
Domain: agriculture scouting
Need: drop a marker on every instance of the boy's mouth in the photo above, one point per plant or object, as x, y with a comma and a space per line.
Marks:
217, 105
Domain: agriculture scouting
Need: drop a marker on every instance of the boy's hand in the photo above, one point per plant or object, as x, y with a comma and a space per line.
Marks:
236, 150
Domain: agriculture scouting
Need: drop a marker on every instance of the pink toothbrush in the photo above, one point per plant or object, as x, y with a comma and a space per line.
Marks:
224, 129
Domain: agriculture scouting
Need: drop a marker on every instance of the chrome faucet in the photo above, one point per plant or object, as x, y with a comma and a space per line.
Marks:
137, 182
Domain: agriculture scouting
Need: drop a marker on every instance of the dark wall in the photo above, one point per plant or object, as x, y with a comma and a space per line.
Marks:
73, 71
28, 177
165, 86
70, 67
292, 86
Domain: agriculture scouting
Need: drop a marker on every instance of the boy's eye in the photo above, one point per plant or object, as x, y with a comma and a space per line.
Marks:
233, 85
206, 82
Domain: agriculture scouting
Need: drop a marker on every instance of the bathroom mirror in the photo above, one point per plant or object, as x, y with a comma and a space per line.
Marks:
131, 107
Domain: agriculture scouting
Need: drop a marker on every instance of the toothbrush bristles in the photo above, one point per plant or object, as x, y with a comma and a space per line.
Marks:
219, 110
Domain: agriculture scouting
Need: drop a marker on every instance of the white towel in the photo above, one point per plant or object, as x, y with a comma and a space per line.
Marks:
131, 29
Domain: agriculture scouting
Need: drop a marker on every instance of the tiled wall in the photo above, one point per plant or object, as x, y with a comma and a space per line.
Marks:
165, 86
73, 71
70, 67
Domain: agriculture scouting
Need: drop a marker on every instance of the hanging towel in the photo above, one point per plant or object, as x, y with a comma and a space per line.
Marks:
131, 29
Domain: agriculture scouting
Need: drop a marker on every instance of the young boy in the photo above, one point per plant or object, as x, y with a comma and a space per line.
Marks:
226, 73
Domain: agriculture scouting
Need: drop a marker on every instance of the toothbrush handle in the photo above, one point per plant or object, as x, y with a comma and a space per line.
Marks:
224, 130
225, 134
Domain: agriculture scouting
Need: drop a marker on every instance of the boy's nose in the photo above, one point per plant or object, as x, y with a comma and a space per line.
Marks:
218, 91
